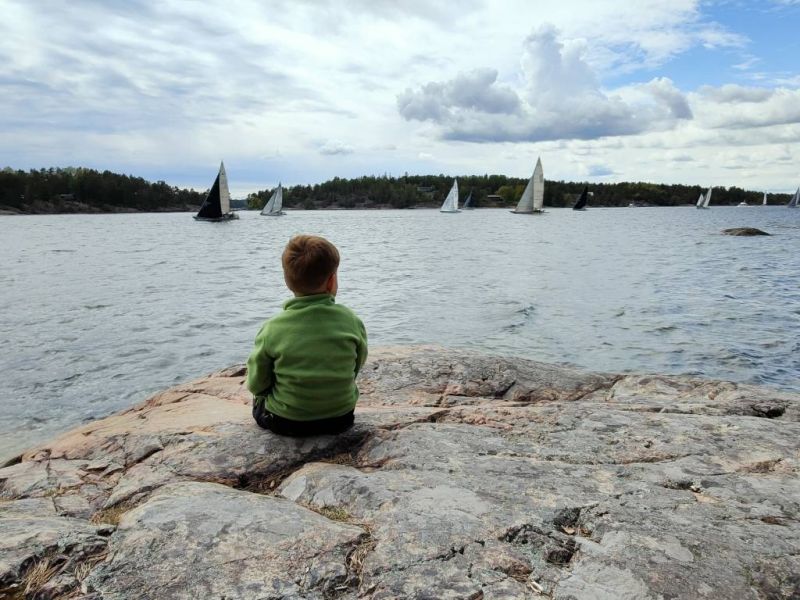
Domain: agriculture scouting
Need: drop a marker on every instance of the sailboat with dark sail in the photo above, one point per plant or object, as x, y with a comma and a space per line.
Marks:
274, 205
532, 199
217, 205
582, 200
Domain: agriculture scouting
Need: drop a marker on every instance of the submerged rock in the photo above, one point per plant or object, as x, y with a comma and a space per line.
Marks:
745, 231
465, 476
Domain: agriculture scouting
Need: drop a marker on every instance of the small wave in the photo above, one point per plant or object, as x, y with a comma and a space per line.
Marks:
526, 310
95, 306
61, 250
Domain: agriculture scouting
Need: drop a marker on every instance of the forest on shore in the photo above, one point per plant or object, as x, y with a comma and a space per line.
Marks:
79, 190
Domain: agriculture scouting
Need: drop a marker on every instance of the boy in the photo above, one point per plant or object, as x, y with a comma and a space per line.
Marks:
303, 367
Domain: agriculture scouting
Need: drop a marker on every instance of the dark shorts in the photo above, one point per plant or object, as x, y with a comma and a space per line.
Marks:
281, 426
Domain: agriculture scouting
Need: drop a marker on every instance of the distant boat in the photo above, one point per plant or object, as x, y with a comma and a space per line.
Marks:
450, 204
532, 199
217, 205
795, 199
703, 201
274, 205
468, 203
584, 197
743, 203
764, 203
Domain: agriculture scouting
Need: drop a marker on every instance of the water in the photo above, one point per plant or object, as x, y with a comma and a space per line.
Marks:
99, 311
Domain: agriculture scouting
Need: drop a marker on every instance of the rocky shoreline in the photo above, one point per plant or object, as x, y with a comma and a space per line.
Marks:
465, 476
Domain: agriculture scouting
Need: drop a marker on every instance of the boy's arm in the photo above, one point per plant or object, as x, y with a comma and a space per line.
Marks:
260, 366
361, 345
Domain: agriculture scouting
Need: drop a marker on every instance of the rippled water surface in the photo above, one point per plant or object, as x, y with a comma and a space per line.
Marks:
98, 311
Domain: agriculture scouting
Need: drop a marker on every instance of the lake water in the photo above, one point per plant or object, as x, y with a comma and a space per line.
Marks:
99, 311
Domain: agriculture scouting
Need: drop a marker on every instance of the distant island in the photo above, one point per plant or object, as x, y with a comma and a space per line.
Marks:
79, 190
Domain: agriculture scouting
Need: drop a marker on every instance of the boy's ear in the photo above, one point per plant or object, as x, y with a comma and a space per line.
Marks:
331, 283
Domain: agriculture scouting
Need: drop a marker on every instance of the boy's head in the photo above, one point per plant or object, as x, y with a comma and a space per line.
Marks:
309, 265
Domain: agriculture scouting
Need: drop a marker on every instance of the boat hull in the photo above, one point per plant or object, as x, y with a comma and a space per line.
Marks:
228, 217
449, 211
277, 214
533, 212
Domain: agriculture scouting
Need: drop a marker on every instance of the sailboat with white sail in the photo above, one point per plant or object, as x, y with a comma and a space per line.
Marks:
703, 201
764, 203
217, 205
450, 204
468, 203
795, 199
274, 205
532, 199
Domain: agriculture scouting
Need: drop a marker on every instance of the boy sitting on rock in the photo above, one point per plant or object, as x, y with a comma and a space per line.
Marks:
303, 368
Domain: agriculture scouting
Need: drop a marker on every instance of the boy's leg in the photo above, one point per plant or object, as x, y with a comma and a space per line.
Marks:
260, 414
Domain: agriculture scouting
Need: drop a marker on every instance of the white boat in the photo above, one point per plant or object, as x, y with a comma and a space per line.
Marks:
217, 205
795, 199
743, 203
703, 201
468, 203
532, 199
450, 204
764, 203
274, 205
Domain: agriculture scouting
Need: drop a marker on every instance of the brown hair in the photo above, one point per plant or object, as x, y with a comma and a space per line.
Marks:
308, 261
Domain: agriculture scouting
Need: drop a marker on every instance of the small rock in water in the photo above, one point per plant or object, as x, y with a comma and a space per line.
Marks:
744, 231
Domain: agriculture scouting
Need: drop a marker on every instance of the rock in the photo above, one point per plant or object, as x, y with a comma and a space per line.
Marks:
465, 476
744, 231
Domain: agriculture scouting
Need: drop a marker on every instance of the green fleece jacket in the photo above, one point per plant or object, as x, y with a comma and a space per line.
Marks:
306, 359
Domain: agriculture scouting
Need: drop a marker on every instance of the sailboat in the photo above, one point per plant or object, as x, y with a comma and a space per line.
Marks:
764, 203
532, 198
217, 205
468, 203
581, 203
795, 199
703, 201
274, 205
450, 204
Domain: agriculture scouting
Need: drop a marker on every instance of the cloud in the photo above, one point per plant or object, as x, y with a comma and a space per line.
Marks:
737, 107
334, 147
475, 91
559, 98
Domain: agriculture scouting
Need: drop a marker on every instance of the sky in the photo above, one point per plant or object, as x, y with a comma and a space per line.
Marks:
301, 91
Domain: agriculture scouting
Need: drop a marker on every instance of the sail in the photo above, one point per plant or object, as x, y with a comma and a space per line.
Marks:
211, 205
224, 194
581, 203
275, 203
707, 199
450, 203
764, 203
468, 201
700, 201
795, 199
532, 198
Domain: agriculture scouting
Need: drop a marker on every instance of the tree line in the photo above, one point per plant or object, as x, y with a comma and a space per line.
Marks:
411, 191
86, 190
